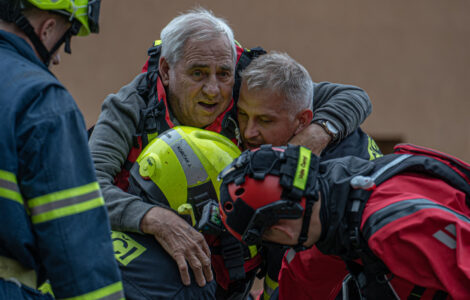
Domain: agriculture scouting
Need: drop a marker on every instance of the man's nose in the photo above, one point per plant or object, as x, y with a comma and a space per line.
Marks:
251, 130
211, 87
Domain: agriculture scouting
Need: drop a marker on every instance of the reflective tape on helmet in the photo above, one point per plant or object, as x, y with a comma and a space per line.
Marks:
65, 203
303, 165
190, 162
9, 187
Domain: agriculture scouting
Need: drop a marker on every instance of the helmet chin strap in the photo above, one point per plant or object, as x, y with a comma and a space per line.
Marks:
45, 54
305, 225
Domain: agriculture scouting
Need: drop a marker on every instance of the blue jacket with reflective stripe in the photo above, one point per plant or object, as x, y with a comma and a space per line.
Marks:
51, 210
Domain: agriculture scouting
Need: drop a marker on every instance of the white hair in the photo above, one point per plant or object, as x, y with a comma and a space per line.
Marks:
198, 24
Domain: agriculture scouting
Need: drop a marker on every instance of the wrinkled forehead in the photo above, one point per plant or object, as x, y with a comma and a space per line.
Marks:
207, 52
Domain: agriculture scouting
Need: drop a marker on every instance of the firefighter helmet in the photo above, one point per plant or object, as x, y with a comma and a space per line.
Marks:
180, 167
82, 14
265, 185
86, 12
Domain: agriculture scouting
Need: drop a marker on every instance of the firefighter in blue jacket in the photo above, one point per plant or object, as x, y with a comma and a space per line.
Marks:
54, 224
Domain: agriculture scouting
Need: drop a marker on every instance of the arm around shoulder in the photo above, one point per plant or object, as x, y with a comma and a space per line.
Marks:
345, 106
110, 144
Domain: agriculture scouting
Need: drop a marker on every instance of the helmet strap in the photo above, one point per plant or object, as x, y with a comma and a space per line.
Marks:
305, 225
46, 55
28, 29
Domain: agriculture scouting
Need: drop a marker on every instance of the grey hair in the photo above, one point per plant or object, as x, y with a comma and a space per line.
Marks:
199, 24
283, 75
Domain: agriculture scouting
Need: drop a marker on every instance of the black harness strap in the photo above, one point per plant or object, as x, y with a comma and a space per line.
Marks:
372, 277
152, 72
245, 59
232, 253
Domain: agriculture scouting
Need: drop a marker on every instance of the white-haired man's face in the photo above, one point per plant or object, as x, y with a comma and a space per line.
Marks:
200, 83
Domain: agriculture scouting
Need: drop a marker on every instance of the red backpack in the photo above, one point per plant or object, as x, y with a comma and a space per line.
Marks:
406, 158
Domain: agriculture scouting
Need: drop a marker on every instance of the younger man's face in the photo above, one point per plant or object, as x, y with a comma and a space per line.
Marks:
264, 118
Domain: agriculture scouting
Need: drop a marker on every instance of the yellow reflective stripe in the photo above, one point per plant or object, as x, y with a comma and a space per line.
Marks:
303, 165
8, 176
373, 149
112, 291
126, 249
269, 287
64, 194
239, 45
9, 187
253, 250
65, 203
157, 42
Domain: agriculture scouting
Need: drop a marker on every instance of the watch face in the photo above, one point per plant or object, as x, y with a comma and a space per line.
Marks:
331, 128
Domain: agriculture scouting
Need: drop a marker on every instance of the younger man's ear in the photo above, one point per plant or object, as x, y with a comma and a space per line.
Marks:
305, 118
164, 70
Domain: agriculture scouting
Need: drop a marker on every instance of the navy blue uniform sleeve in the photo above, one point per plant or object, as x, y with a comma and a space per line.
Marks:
64, 200
345, 106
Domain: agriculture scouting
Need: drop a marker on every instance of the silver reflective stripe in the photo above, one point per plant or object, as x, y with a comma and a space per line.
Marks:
9, 185
389, 165
290, 255
170, 136
445, 239
192, 166
64, 202
114, 296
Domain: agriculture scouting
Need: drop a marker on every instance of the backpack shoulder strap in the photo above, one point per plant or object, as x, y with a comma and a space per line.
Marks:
245, 57
154, 53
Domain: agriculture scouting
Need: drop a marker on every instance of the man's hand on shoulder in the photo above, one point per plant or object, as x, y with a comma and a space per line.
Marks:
313, 137
181, 241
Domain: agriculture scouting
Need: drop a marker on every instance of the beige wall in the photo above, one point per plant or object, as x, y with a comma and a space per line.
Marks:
412, 57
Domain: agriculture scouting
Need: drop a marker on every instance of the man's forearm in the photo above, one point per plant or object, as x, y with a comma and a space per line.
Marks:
345, 106
110, 145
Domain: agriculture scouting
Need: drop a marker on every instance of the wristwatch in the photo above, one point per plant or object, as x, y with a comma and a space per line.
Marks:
329, 128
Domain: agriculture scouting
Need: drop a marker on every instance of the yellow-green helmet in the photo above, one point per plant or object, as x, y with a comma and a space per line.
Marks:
84, 11
82, 14
181, 166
